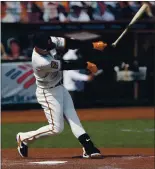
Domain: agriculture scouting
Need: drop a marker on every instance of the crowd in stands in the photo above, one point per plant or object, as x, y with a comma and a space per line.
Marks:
14, 50
71, 11
67, 11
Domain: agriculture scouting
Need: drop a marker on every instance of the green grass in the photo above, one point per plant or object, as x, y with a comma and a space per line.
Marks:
104, 133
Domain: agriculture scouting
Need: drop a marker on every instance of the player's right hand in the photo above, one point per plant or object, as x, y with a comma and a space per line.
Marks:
90, 77
92, 67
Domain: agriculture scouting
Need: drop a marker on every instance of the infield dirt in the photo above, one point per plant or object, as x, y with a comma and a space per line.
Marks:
84, 114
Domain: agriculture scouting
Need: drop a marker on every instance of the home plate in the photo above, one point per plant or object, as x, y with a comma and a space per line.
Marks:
49, 162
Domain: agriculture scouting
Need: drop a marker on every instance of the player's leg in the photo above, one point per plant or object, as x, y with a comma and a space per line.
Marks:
72, 118
52, 101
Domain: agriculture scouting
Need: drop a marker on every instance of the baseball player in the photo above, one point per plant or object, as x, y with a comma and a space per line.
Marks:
53, 97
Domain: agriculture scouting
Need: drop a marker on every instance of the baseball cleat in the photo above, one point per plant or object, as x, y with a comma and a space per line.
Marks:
95, 154
22, 146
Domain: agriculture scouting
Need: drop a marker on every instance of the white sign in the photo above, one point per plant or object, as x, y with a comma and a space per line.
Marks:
18, 83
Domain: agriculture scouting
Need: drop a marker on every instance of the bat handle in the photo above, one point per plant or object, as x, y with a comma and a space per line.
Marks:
120, 37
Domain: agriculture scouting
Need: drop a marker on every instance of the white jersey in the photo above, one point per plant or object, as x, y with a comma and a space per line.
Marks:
47, 69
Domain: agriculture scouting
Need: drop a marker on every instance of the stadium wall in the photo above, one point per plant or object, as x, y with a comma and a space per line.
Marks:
105, 89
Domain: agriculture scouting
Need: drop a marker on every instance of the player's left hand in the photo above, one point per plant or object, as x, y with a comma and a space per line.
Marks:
100, 45
92, 67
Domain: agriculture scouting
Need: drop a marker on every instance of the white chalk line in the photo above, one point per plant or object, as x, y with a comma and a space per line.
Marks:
33, 163
138, 157
108, 167
48, 162
138, 131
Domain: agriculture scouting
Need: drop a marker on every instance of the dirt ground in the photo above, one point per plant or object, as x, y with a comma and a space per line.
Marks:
84, 114
114, 158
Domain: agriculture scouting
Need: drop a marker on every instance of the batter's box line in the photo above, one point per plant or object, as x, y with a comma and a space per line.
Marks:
117, 156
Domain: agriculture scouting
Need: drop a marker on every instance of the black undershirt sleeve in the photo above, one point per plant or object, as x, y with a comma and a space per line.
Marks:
73, 64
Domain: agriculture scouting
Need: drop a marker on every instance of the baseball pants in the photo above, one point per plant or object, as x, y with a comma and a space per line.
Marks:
58, 105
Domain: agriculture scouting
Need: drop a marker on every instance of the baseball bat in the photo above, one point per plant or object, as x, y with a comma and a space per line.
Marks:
135, 18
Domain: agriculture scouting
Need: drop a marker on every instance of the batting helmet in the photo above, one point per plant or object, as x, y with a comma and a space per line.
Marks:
40, 40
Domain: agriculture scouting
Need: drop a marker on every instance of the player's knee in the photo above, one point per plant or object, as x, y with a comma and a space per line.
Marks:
60, 129
56, 129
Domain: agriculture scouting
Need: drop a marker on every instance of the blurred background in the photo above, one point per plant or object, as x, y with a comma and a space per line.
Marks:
126, 81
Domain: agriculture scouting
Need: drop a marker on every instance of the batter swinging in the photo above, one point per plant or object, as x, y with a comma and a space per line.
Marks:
53, 97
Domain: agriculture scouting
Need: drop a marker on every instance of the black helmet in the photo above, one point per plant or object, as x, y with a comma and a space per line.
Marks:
40, 40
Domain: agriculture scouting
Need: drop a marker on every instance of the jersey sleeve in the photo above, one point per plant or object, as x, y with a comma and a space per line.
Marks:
79, 76
58, 41
49, 65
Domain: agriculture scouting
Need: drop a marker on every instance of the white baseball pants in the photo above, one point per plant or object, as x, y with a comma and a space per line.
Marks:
57, 104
